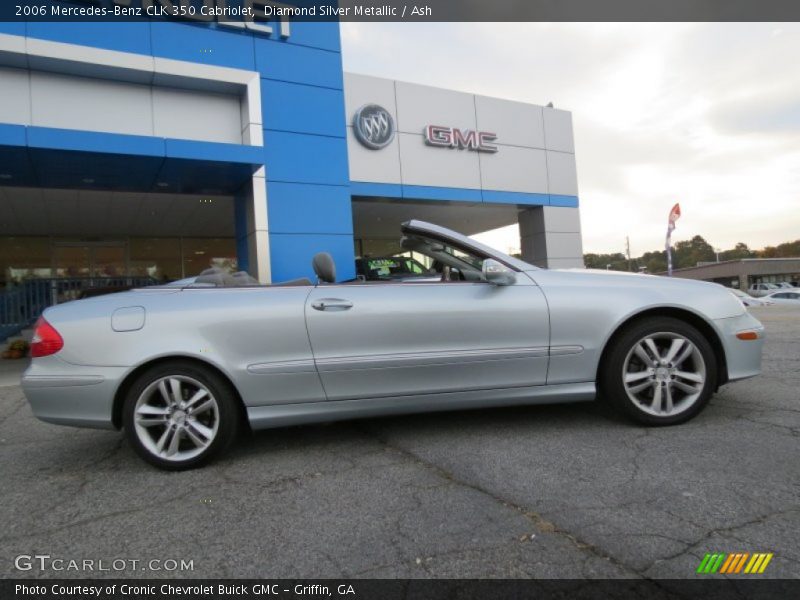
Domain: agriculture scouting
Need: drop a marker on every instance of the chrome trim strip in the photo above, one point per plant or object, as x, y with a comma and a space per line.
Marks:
50, 381
283, 367
565, 350
421, 359
265, 417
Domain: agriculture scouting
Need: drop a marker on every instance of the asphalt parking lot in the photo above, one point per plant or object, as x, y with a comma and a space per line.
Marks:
556, 491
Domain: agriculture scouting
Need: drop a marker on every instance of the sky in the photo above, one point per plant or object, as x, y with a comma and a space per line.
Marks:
705, 114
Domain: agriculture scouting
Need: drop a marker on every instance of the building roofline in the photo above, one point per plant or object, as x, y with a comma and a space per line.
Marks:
729, 262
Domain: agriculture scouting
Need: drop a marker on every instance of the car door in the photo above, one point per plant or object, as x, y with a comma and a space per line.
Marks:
398, 339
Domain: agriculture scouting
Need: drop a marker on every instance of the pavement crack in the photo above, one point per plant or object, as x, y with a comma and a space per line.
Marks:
540, 523
16, 408
92, 519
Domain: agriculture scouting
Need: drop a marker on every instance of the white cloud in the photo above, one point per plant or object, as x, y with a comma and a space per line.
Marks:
704, 114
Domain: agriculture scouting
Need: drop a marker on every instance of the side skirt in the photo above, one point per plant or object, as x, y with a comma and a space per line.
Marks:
266, 417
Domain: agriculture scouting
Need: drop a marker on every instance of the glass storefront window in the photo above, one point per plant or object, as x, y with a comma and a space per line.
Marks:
379, 247
23, 258
159, 258
163, 259
200, 254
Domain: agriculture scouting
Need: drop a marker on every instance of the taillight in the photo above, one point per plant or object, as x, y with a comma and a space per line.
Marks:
46, 340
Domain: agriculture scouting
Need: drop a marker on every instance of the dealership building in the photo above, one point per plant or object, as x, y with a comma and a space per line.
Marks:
158, 148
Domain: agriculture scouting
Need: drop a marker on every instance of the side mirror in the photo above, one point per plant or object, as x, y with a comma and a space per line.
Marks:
497, 274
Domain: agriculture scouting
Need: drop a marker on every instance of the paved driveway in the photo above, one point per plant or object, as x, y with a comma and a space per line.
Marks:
561, 491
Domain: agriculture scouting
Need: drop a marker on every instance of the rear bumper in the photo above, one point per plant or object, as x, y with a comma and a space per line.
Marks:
66, 394
743, 357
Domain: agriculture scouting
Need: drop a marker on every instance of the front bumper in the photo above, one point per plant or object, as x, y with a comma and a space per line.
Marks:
743, 357
67, 394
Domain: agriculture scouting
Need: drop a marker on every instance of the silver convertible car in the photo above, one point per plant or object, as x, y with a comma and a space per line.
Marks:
183, 369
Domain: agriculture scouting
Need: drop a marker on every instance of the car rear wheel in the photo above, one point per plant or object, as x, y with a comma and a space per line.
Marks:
660, 371
180, 415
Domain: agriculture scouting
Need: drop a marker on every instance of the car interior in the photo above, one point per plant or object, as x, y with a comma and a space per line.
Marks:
449, 264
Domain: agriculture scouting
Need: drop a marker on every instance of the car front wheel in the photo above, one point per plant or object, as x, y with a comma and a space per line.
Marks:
179, 415
660, 371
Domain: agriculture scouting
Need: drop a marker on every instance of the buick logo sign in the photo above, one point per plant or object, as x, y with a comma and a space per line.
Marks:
373, 126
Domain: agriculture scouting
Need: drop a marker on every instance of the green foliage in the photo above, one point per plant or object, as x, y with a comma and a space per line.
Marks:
687, 253
617, 261
785, 250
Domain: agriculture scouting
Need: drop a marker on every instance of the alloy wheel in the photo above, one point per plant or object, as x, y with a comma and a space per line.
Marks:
664, 374
176, 418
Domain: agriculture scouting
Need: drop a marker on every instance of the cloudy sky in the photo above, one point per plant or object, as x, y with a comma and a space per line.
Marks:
704, 114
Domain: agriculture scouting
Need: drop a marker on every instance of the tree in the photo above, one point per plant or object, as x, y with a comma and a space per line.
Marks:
687, 253
785, 250
617, 261
738, 252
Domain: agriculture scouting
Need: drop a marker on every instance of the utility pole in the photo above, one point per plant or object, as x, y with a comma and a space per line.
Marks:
628, 252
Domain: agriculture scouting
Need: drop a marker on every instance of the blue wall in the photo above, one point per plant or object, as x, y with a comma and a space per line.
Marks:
305, 147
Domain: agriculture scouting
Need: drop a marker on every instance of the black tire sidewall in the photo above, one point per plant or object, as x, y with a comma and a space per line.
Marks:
610, 376
226, 401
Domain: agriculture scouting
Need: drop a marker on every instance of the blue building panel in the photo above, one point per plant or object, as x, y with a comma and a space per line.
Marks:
214, 151
302, 108
518, 198
308, 208
291, 255
298, 64
324, 36
13, 135
12, 28
557, 200
302, 158
424, 192
209, 44
91, 141
376, 190
122, 37
15, 165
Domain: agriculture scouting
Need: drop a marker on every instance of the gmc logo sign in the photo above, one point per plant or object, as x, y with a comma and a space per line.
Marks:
450, 137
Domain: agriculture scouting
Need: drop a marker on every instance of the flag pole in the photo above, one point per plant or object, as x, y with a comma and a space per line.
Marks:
674, 214
669, 251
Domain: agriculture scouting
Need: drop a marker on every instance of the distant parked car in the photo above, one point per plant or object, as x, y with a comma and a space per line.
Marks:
748, 300
762, 289
785, 297
786, 285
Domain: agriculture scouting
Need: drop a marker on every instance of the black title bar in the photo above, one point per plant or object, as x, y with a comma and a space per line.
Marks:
711, 588
400, 10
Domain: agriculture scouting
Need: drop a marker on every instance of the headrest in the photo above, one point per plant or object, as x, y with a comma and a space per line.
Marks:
324, 267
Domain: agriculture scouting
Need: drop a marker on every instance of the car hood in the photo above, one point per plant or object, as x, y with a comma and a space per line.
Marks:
637, 279
705, 297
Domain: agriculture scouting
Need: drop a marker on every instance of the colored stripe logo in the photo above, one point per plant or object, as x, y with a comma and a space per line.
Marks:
734, 563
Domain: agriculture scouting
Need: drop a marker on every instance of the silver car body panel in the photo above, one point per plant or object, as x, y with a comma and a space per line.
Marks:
265, 417
586, 307
298, 354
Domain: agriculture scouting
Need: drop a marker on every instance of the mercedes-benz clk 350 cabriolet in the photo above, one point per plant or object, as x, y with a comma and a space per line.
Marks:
182, 369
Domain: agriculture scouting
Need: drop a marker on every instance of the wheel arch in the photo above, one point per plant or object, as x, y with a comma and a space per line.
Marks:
692, 318
130, 378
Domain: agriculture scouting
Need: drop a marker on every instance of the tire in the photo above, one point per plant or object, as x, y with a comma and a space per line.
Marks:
205, 416
667, 389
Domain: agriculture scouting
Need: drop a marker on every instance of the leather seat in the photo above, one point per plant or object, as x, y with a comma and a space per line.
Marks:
324, 267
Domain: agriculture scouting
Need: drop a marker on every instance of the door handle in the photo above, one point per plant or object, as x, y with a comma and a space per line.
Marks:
331, 304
